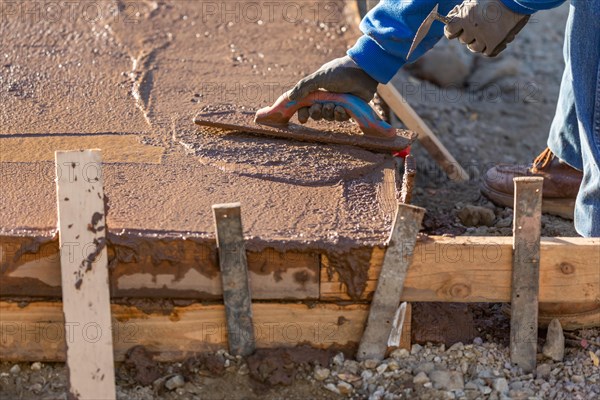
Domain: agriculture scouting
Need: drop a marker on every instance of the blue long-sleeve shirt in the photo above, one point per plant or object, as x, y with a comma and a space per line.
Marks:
390, 28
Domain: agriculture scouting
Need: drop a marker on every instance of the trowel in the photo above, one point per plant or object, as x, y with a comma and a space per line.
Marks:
375, 134
426, 26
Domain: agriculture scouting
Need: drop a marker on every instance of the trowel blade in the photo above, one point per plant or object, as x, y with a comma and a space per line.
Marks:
423, 30
244, 122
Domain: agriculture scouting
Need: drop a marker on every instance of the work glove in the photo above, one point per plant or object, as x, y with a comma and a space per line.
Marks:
485, 26
341, 75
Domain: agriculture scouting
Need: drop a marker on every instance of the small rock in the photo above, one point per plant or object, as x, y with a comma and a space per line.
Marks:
476, 216
321, 374
415, 349
175, 382
393, 365
244, 369
478, 341
352, 366
554, 348
400, 353
577, 379
456, 347
15, 369
345, 388
426, 367
332, 388
371, 364
447, 380
382, 368
501, 385
543, 371
421, 378
36, 366
338, 359
366, 375
36, 388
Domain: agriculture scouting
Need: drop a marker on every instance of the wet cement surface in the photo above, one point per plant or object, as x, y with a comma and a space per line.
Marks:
110, 75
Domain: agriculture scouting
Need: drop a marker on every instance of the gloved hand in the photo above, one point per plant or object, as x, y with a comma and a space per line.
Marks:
485, 26
341, 75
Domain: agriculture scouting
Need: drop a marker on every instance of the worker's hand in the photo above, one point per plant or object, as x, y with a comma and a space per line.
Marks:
485, 26
341, 75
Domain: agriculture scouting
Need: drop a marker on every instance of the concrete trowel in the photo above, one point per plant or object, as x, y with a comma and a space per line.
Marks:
426, 26
375, 134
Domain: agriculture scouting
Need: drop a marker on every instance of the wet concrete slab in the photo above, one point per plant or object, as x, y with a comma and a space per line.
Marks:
129, 81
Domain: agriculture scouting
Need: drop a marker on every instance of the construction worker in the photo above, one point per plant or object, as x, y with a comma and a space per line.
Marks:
570, 165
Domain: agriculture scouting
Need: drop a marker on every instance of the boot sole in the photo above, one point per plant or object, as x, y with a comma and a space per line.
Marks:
564, 208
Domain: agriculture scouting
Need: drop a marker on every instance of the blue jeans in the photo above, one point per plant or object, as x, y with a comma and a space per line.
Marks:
575, 132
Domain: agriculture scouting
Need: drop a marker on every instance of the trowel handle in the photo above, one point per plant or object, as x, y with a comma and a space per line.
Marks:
284, 109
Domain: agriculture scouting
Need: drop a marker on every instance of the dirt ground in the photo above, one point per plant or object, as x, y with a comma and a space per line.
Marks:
501, 113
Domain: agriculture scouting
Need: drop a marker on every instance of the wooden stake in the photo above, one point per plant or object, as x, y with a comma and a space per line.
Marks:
526, 271
84, 272
386, 299
428, 139
234, 274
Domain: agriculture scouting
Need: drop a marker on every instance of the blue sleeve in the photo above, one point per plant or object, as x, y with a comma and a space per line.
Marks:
531, 6
389, 30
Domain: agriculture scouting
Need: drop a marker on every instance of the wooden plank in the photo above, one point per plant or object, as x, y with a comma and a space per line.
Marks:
527, 228
84, 274
479, 269
407, 223
150, 267
400, 336
234, 274
428, 139
36, 332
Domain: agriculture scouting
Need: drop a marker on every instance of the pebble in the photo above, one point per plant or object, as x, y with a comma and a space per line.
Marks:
15, 369
382, 368
332, 388
321, 374
415, 349
400, 353
339, 359
542, 371
501, 385
371, 364
478, 341
345, 388
175, 382
421, 378
554, 348
476, 216
447, 380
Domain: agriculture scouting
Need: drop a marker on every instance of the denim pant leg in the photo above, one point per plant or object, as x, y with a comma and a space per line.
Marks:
578, 142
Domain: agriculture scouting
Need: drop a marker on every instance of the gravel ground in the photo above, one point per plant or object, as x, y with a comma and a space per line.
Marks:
499, 112
463, 371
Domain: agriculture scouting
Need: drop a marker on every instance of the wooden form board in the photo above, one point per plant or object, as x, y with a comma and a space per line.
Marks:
527, 228
36, 332
84, 274
154, 268
479, 269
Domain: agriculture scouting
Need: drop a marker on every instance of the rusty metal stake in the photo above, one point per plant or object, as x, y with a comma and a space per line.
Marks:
408, 179
526, 271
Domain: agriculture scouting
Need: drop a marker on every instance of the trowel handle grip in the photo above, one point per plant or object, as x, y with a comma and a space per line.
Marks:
284, 109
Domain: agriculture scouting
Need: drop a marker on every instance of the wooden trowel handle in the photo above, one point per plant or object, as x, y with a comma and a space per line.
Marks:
284, 109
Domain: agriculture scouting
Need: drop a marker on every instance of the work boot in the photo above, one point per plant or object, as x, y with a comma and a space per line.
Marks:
561, 183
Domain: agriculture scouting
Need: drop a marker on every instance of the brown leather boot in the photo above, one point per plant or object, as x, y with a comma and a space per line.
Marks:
561, 183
